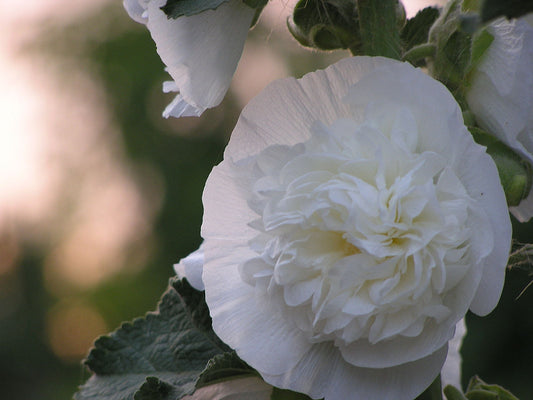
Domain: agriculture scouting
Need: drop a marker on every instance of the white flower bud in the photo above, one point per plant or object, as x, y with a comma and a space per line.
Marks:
501, 92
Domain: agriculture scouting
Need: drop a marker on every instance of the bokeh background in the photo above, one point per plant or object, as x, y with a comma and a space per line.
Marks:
100, 196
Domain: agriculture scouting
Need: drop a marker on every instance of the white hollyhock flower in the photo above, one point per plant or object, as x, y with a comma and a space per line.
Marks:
501, 92
201, 51
191, 268
350, 226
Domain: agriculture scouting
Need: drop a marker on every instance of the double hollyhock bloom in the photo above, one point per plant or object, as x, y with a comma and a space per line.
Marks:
200, 51
501, 92
351, 225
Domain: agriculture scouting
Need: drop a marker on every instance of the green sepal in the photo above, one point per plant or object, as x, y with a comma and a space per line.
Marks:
520, 257
491, 9
161, 354
224, 367
416, 29
452, 393
325, 24
481, 42
452, 56
283, 394
479, 390
179, 8
515, 172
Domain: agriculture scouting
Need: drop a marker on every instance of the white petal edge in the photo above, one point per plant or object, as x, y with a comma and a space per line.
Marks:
491, 197
243, 321
451, 370
191, 268
293, 107
201, 52
135, 10
322, 373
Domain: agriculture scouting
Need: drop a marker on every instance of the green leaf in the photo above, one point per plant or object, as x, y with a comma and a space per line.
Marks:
416, 29
283, 394
379, 28
222, 367
162, 353
491, 9
178, 8
155, 389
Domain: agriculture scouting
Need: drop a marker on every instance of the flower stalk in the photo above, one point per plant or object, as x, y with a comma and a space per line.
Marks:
419, 52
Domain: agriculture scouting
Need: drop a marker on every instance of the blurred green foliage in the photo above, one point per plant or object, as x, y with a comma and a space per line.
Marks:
499, 348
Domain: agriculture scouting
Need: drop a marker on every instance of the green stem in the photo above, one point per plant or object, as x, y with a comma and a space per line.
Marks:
419, 52
377, 24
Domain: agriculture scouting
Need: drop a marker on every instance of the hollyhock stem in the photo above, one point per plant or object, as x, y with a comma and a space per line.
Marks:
377, 24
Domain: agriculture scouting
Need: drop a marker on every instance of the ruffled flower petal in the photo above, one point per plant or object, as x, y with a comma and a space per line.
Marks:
501, 92
322, 373
351, 225
200, 51
191, 268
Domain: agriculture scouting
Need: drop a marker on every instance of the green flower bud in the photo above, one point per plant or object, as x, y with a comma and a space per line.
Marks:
325, 24
479, 390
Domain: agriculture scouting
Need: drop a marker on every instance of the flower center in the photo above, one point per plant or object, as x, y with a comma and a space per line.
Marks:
359, 234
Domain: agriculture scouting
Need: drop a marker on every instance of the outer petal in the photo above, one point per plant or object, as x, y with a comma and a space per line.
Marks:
323, 373
249, 325
491, 197
191, 267
201, 52
136, 11
293, 107
451, 370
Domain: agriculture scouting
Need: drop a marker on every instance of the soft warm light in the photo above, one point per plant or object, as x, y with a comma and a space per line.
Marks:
72, 328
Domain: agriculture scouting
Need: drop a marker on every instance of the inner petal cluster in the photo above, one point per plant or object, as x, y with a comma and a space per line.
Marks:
359, 233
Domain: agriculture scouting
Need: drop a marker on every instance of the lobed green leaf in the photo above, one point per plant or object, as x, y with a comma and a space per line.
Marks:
222, 367
160, 355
